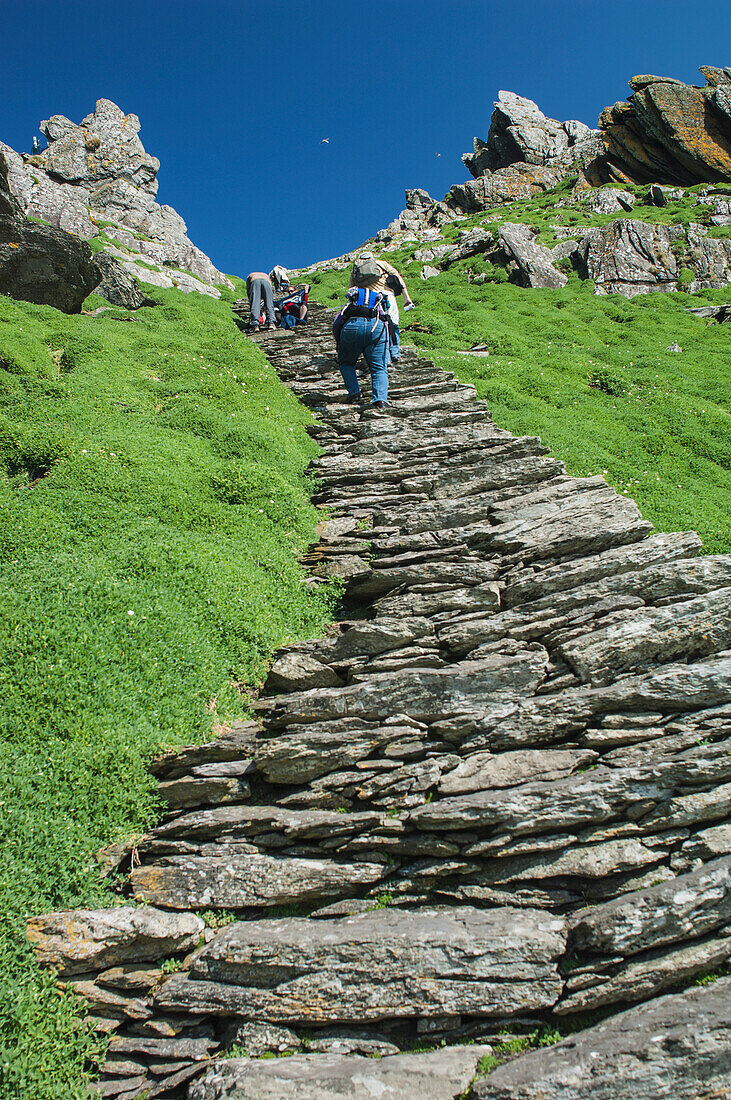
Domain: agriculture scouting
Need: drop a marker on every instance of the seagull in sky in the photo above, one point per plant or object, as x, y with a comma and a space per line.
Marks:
325, 141
437, 154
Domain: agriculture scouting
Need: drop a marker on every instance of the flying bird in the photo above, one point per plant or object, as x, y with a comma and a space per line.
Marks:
437, 154
325, 141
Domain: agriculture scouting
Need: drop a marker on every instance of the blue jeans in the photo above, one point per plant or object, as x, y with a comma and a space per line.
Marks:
363, 334
261, 288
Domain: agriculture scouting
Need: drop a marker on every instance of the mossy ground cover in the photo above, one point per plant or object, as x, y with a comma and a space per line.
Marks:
153, 507
590, 374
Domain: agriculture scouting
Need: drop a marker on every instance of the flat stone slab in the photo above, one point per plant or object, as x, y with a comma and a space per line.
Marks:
378, 965
427, 694
688, 906
676, 1046
80, 940
249, 880
438, 1074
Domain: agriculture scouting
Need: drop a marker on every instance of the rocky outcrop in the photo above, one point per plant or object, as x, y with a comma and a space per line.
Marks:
671, 132
533, 261
497, 791
437, 1074
96, 179
675, 1046
521, 134
40, 264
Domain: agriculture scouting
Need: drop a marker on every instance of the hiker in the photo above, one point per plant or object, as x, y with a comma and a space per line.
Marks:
259, 287
292, 309
382, 278
361, 327
279, 277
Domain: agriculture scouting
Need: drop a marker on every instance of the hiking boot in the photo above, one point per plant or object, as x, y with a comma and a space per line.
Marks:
270, 327
379, 405
252, 328
353, 399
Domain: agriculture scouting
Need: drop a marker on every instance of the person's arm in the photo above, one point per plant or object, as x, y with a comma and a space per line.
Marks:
404, 289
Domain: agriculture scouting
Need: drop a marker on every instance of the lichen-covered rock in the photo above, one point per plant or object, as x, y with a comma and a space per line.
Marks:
376, 966
521, 133
630, 257
677, 1046
438, 1074
690, 905
118, 286
41, 264
247, 881
80, 940
670, 132
99, 172
534, 260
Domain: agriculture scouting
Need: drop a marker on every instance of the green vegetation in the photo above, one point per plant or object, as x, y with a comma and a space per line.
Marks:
153, 508
511, 1045
590, 374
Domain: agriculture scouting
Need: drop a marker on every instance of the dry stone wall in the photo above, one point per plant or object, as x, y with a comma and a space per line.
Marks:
496, 794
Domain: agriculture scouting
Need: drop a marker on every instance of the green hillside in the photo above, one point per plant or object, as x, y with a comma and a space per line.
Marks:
589, 374
153, 507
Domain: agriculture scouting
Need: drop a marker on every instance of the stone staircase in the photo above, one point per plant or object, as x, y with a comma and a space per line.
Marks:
496, 795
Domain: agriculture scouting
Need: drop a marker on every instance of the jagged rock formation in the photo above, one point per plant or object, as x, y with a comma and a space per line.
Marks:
497, 791
521, 134
671, 132
97, 178
40, 264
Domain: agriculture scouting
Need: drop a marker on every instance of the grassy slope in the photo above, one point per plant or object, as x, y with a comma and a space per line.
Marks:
152, 510
590, 374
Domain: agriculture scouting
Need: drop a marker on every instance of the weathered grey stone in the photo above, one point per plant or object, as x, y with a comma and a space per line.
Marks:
258, 1039
693, 628
516, 182
377, 966
423, 693
630, 257
308, 751
641, 1054
528, 585
484, 770
79, 940
534, 260
690, 905
439, 1074
118, 286
299, 672
39, 263
238, 882
99, 172
649, 974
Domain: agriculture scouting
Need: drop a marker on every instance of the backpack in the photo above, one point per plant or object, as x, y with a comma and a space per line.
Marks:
363, 302
366, 271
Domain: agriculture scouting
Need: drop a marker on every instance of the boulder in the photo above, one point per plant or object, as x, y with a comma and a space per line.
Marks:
630, 257
438, 1074
80, 940
97, 178
41, 264
505, 185
533, 260
118, 286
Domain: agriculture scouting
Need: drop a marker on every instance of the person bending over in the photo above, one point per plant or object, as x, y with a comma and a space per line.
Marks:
258, 289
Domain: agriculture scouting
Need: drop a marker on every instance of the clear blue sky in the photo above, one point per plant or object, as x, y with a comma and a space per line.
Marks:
234, 98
